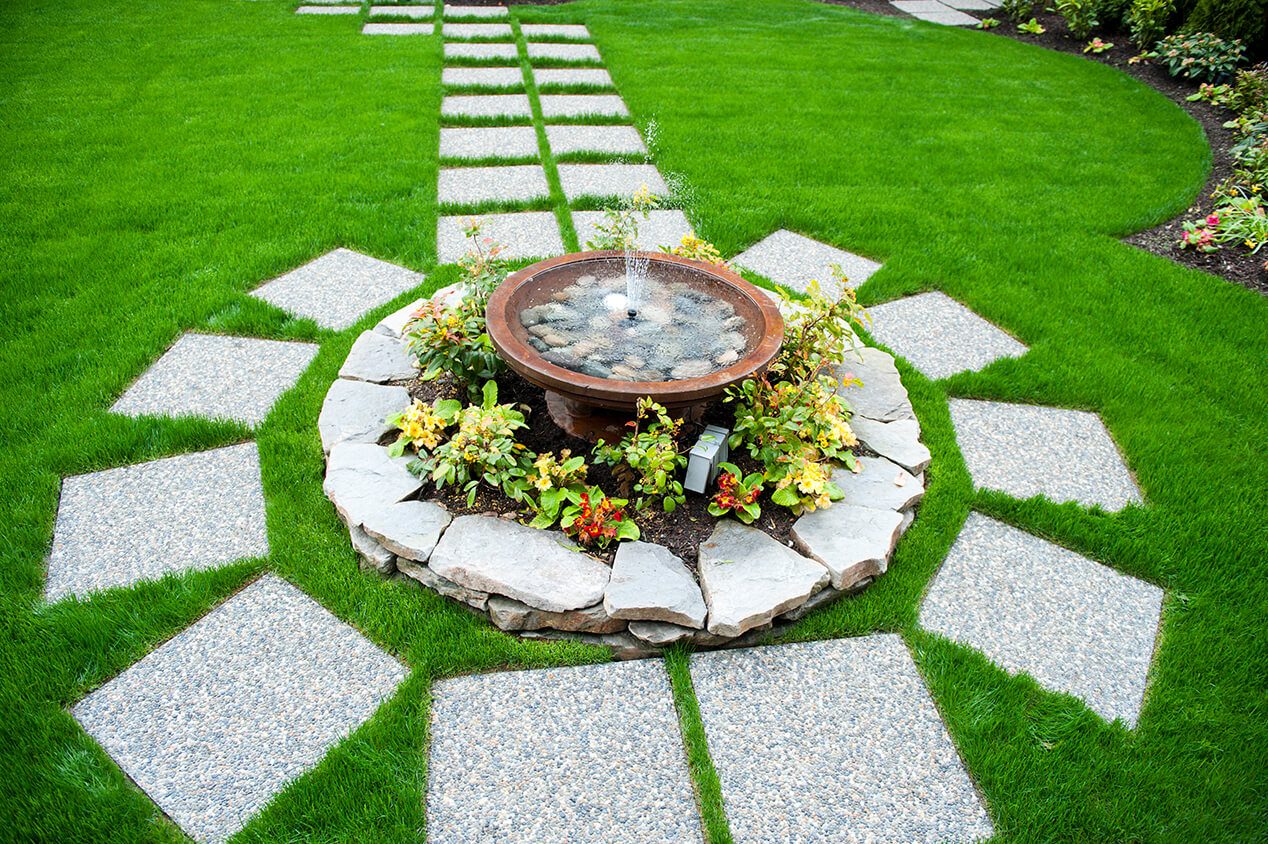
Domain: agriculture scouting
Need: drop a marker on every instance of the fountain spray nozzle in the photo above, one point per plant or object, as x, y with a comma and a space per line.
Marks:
631, 313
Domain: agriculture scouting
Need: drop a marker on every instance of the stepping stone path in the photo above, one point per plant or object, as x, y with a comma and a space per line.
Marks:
489, 77
221, 377
851, 745
338, 288
1065, 455
604, 180
328, 10
942, 12
526, 234
793, 260
615, 140
217, 720
939, 336
487, 105
193, 511
597, 77
581, 105
398, 29
488, 142
1028, 605
564, 52
417, 12
567, 755
471, 185
467, 31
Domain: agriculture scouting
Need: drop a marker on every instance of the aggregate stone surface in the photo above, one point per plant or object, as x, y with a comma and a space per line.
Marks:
1024, 450
489, 141
1074, 625
476, 30
357, 411
475, 11
378, 358
560, 30
398, 29
972, 5
583, 755
140, 522
661, 228
618, 140
934, 12
217, 376
332, 3
526, 234
577, 105
597, 76
469, 185
460, 50
564, 52
852, 747
939, 336
881, 395
493, 77
328, 10
216, 721
604, 180
338, 288
403, 11
487, 105
793, 260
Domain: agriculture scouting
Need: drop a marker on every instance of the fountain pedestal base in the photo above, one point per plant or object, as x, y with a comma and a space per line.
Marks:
600, 423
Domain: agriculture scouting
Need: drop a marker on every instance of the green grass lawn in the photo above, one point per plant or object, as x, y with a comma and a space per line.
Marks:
163, 158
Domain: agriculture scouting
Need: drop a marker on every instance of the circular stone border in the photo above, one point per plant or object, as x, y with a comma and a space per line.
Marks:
750, 585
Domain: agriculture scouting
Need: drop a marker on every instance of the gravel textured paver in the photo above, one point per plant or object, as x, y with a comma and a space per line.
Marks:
972, 5
338, 288
475, 11
487, 105
578, 105
466, 185
398, 29
851, 746
561, 30
476, 30
564, 52
939, 336
604, 180
217, 720
1024, 450
576, 755
661, 228
217, 376
489, 142
462, 50
617, 140
328, 10
793, 260
597, 76
140, 522
1074, 625
526, 234
935, 13
418, 12
491, 77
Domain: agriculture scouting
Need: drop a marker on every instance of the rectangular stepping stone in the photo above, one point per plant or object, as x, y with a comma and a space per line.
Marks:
487, 105
793, 260
402, 11
328, 10
461, 50
1024, 450
471, 185
661, 228
934, 12
489, 77
219, 377
560, 756
615, 140
1074, 625
332, 3
139, 522
578, 105
475, 11
489, 142
561, 30
338, 288
851, 745
526, 234
604, 180
467, 31
398, 29
564, 52
596, 76
939, 336
219, 719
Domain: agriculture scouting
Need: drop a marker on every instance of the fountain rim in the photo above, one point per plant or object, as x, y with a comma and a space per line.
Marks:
604, 392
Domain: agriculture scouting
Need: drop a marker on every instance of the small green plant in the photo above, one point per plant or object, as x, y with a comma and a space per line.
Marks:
423, 425
482, 264
1098, 46
1239, 218
619, 229
697, 250
1017, 9
594, 519
987, 23
647, 460
1147, 20
1032, 27
737, 494
1200, 55
556, 481
455, 341
1080, 16
817, 333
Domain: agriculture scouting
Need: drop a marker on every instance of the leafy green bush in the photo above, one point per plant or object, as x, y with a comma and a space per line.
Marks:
1112, 13
1080, 16
557, 480
594, 519
737, 494
1148, 20
647, 460
1201, 55
1017, 9
1246, 20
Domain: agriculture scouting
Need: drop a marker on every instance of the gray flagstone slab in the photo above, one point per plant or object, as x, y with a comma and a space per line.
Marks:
602, 180
378, 358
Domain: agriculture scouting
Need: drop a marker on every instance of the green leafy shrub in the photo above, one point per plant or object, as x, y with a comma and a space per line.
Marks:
619, 229
1112, 13
1147, 20
423, 425
737, 494
647, 460
594, 519
1080, 16
819, 330
1246, 20
1200, 55
454, 340
987, 23
556, 480
1017, 9
1031, 27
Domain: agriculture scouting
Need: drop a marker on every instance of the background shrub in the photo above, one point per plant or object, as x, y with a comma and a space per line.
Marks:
1244, 19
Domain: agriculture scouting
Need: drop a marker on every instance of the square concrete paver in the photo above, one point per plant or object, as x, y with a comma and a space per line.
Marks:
417, 12
462, 50
604, 180
471, 185
661, 228
834, 741
463, 31
219, 377
577, 105
939, 336
328, 10
490, 77
526, 234
139, 522
564, 52
793, 260
489, 142
1024, 450
565, 755
398, 29
217, 720
596, 76
1074, 625
475, 11
487, 105
554, 30
617, 140
934, 12
338, 288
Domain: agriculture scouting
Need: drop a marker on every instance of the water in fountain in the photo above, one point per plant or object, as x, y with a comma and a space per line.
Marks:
636, 264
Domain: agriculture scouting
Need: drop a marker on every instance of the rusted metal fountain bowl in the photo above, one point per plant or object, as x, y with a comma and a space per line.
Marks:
597, 408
